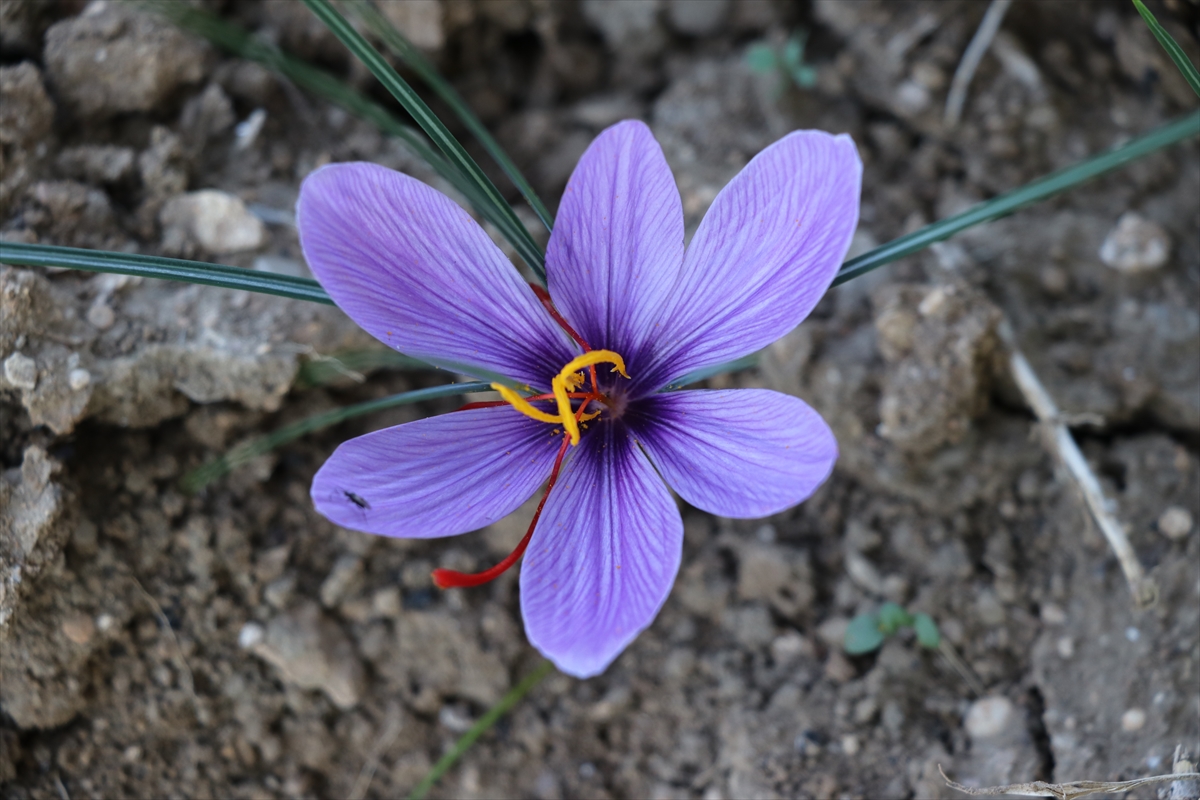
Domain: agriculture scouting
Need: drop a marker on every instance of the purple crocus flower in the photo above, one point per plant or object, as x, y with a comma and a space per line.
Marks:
414, 270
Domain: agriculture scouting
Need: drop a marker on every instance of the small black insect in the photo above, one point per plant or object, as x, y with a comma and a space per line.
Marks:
358, 501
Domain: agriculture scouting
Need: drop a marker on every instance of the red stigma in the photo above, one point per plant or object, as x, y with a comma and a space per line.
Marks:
449, 579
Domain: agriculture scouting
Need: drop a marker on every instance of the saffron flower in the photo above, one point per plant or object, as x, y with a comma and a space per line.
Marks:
582, 368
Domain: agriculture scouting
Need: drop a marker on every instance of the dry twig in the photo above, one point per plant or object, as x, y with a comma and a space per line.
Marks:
180, 661
1062, 445
979, 45
1066, 791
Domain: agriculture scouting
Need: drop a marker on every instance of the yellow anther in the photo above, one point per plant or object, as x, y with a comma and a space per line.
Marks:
568, 380
559, 384
574, 381
523, 405
592, 357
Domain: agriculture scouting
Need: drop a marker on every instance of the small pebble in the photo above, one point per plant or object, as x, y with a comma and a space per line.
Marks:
1135, 245
21, 371
990, 716
1133, 720
101, 316
250, 635
1055, 280
1132, 634
850, 745
1175, 523
1053, 614
105, 623
79, 628
79, 379
1066, 647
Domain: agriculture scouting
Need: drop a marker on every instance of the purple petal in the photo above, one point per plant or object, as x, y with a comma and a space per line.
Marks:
617, 245
736, 452
765, 252
416, 272
603, 556
438, 476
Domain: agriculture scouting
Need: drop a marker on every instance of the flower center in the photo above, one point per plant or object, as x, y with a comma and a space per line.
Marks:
565, 387
569, 379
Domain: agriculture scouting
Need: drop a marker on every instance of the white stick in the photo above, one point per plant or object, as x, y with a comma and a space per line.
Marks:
979, 45
1062, 445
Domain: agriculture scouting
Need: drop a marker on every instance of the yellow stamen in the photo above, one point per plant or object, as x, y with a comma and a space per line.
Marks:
574, 381
522, 405
567, 380
560, 382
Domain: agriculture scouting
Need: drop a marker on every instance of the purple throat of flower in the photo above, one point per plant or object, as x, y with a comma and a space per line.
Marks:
570, 420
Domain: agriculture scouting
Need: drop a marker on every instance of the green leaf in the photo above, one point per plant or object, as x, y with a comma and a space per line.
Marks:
793, 50
1185, 65
200, 477
892, 617
481, 727
171, 269
862, 635
319, 370
415, 60
695, 376
804, 76
239, 42
928, 635
761, 58
498, 212
1009, 202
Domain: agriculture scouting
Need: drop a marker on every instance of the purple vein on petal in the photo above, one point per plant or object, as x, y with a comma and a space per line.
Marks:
416, 272
603, 557
438, 476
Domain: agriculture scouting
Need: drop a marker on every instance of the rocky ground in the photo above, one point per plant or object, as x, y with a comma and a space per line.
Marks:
233, 643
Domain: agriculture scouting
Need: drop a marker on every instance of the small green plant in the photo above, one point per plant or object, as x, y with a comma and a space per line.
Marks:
866, 632
788, 61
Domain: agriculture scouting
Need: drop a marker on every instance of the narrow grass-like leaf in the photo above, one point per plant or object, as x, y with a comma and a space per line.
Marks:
320, 370
479, 728
201, 476
1185, 65
241, 43
737, 365
1011, 201
415, 60
498, 212
171, 269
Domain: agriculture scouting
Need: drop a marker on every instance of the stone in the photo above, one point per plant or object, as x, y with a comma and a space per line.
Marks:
311, 651
989, 717
621, 19
697, 17
1135, 245
939, 362
113, 58
346, 572
216, 221
79, 628
21, 371
26, 111
419, 20
79, 379
1133, 720
97, 164
1175, 523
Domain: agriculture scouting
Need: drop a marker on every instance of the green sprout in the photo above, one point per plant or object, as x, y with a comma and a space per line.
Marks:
866, 632
788, 61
